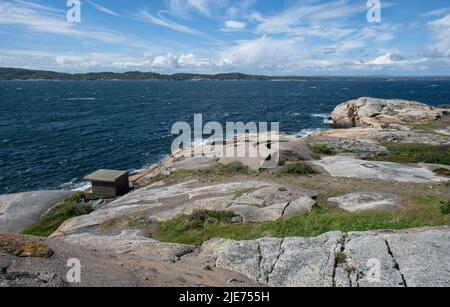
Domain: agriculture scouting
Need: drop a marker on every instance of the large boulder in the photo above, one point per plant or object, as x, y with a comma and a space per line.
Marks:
382, 113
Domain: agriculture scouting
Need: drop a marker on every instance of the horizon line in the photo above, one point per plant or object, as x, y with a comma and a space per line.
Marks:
230, 73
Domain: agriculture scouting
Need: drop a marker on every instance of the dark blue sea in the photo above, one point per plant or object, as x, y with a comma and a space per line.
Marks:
54, 133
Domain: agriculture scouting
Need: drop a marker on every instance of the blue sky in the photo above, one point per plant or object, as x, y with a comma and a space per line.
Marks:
275, 37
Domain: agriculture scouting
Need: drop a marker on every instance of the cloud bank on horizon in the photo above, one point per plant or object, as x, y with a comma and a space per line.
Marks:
283, 37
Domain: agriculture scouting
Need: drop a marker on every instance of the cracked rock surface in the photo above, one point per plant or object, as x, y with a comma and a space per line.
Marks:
413, 258
290, 262
255, 201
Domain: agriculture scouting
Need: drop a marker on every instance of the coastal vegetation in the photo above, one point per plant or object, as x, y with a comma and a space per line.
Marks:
442, 172
415, 153
217, 172
322, 149
204, 225
124, 223
300, 168
72, 207
445, 208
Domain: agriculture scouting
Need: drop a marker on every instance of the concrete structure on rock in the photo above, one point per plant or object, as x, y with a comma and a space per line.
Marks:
108, 183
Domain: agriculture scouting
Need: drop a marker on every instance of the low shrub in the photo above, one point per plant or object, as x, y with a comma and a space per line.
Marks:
322, 149
300, 168
445, 208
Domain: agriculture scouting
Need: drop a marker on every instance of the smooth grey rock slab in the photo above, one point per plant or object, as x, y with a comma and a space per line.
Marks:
350, 167
367, 201
21, 210
130, 242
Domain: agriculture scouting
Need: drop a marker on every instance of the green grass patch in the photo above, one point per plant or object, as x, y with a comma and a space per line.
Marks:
242, 192
422, 212
442, 172
348, 150
232, 168
216, 172
201, 217
431, 126
322, 149
445, 208
282, 160
415, 153
124, 223
340, 258
299, 168
72, 207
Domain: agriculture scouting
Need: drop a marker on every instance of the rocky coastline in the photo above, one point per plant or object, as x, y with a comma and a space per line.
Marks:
385, 164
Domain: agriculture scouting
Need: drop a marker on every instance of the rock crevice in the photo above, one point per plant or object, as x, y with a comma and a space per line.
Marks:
396, 265
339, 259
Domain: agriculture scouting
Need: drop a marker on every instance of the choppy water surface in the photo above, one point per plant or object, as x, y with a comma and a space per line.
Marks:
54, 133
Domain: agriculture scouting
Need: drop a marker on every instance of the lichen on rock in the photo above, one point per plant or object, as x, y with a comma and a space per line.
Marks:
23, 246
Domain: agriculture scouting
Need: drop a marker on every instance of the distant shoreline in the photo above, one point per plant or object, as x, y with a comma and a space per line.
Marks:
18, 74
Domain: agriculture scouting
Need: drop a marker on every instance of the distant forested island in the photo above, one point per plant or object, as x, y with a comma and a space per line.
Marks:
28, 74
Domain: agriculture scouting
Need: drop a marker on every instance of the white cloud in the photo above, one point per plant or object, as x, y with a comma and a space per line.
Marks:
103, 9
441, 23
263, 52
168, 60
145, 16
201, 6
301, 14
434, 13
392, 59
386, 59
310, 36
37, 6
326, 26
182, 7
193, 60
233, 26
441, 30
123, 62
44, 19
240, 8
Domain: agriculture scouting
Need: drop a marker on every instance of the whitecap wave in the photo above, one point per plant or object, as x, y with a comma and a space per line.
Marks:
200, 142
149, 166
308, 132
326, 118
77, 186
322, 115
81, 98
